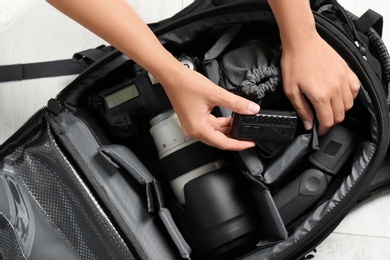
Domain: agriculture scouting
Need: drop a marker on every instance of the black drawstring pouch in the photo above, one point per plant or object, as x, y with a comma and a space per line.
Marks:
252, 69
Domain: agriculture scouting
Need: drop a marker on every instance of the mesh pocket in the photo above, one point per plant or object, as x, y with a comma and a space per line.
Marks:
66, 201
9, 246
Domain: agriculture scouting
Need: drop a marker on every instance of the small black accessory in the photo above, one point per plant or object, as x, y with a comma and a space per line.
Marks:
267, 126
335, 148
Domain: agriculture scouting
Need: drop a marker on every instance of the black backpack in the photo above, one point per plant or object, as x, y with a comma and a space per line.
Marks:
87, 176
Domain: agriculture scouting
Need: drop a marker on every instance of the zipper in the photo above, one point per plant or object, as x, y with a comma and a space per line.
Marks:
30, 125
342, 208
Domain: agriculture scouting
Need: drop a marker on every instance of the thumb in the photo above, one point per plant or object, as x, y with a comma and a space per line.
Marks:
237, 104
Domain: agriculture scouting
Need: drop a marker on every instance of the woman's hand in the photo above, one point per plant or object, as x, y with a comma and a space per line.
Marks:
314, 71
193, 97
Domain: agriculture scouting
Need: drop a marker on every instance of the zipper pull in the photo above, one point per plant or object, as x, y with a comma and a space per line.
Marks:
55, 106
311, 255
362, 49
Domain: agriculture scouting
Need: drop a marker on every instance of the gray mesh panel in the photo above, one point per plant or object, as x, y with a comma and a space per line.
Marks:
66, 201
9, 246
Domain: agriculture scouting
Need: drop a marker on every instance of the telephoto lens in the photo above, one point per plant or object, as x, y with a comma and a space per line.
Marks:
214, 208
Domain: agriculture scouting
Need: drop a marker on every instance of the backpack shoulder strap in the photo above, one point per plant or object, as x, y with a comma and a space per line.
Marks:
76, 65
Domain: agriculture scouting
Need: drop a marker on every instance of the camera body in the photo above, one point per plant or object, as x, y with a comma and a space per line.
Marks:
120, 106
141, 96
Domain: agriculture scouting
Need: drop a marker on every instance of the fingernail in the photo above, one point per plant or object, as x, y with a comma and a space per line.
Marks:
253, 107
308, 125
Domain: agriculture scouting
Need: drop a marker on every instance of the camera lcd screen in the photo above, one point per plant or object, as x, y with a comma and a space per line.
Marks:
121, 96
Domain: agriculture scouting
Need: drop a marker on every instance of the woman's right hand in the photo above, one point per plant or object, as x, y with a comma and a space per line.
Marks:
193, 98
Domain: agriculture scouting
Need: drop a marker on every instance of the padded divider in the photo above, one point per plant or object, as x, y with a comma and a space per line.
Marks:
293, 154
121, 156
121, 195
271, 224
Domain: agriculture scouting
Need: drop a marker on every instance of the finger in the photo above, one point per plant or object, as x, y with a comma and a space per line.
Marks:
236, 103
221, 141
338, 108
351, 90
225, 130
221, 124
325, 117
348, 97
220, 121
354, 83
301, 106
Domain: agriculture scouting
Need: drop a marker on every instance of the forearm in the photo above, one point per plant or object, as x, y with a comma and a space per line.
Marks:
117, 23
295, 21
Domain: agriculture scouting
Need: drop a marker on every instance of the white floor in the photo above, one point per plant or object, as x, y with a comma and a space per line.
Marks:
31, 31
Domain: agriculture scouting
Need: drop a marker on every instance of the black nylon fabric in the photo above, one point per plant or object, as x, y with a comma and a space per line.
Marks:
381, 180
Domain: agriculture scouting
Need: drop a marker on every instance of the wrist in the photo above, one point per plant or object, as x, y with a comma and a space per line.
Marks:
167, 71
295, 21
299, 38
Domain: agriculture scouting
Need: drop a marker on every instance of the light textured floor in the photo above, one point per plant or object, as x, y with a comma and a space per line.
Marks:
31, 31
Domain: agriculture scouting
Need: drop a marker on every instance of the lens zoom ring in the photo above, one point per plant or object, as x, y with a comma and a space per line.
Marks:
188, 159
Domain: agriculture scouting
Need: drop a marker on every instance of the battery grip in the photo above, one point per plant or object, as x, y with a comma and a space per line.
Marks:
267, 126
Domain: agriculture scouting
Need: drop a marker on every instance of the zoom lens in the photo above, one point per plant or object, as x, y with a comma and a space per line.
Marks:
182, 158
